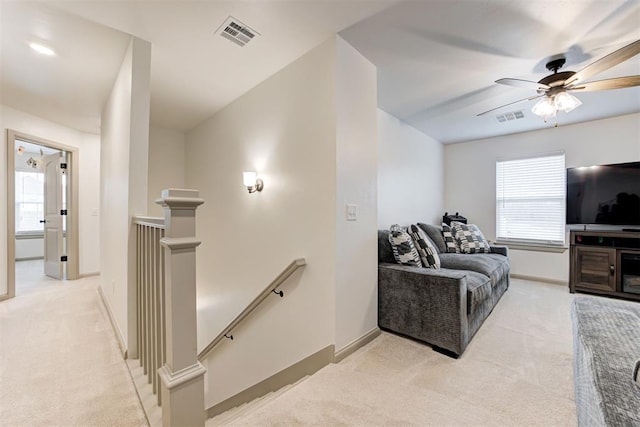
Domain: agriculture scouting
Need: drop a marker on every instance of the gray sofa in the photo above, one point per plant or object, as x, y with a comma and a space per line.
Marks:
606, 345
443, 307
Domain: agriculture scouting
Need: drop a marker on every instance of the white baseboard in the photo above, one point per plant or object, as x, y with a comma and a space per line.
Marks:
114, 324
539, 279
290, 375
356, 344
97, 273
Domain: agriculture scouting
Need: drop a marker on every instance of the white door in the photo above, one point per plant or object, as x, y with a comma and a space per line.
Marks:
53, 230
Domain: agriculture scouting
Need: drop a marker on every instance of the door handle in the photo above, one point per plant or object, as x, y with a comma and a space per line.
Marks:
42, 221
612, 269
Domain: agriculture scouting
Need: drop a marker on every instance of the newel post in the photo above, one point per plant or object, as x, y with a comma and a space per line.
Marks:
182, 375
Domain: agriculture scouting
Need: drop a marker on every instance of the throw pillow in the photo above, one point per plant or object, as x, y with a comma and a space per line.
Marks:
435, 234
426, 249
404, 251
470, 239
452, 244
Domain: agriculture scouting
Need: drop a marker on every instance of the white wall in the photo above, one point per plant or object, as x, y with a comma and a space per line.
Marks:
166, 165
29, 248
284, 129
310, 133
88, 177
470, 175
410, 174
357, 164
124, 159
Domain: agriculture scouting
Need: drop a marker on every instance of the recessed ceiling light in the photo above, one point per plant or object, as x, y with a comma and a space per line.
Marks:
42, 49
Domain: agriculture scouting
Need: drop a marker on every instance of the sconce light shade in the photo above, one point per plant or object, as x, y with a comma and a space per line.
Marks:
249, 178
252, 182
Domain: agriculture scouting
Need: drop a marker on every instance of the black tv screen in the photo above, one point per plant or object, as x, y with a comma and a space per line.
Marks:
606, 194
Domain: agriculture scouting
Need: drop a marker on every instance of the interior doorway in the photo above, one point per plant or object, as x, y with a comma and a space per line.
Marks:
42, 209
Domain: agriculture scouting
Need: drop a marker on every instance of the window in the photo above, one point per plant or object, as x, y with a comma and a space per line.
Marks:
530, 200
29, 201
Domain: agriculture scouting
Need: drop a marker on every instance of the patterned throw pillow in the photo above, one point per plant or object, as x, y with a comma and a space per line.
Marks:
426, 249
404, 251
470, 239
452, 244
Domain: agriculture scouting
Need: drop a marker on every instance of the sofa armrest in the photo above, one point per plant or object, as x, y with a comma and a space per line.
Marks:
498, 249
425, 304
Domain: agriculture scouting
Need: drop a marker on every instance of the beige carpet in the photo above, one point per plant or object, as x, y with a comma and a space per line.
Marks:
59, 362
516, 371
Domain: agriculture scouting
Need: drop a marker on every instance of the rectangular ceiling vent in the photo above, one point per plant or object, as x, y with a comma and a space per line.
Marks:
237, 32
513, 115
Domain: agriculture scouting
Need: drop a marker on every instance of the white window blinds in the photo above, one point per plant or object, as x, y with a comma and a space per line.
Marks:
530, 200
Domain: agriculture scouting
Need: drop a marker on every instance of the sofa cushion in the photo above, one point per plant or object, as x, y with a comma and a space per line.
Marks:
469, 238
452, 244
478, 289
435, 234
404, 251
427, 251
493, 266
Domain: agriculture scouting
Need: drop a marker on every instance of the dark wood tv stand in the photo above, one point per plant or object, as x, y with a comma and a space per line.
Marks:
605, 263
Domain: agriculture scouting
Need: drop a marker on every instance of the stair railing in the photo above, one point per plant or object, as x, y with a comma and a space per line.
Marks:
166, 303
272, 288
150, 298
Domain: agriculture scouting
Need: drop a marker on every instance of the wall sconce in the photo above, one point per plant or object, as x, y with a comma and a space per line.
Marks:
252, 182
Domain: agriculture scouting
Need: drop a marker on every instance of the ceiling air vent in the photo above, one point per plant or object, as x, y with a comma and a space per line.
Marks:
236, 31
513, 115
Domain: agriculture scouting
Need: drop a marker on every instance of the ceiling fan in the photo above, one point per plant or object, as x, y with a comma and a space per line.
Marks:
554, 89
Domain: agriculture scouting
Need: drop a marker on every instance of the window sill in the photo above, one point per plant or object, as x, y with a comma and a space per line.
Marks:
536, 247
28, 236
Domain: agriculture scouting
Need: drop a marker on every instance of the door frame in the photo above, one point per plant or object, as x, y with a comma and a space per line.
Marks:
73, 245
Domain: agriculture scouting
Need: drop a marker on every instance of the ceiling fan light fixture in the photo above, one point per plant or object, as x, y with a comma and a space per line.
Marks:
546, 107
566, 102
551, 104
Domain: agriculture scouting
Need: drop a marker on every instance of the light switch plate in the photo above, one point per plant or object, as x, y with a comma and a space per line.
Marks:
352, 212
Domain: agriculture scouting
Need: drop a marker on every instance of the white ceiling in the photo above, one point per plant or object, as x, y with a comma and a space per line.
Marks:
437, 59
194, 72
70, 88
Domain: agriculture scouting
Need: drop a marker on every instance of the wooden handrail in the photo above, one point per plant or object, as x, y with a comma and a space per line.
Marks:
149, 221
286, 273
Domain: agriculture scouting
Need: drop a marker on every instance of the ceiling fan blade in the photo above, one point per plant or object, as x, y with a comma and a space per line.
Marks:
617, 83
606, 62
527, 84
511, 103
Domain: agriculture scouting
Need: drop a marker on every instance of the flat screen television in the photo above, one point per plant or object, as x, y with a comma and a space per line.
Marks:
605, 194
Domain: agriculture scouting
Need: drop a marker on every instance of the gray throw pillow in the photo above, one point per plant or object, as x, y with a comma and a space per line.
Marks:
426, 249
404, 251
469, 238
447, 235
435, 234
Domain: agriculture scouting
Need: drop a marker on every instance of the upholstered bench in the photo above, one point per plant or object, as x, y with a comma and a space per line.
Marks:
606, 336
